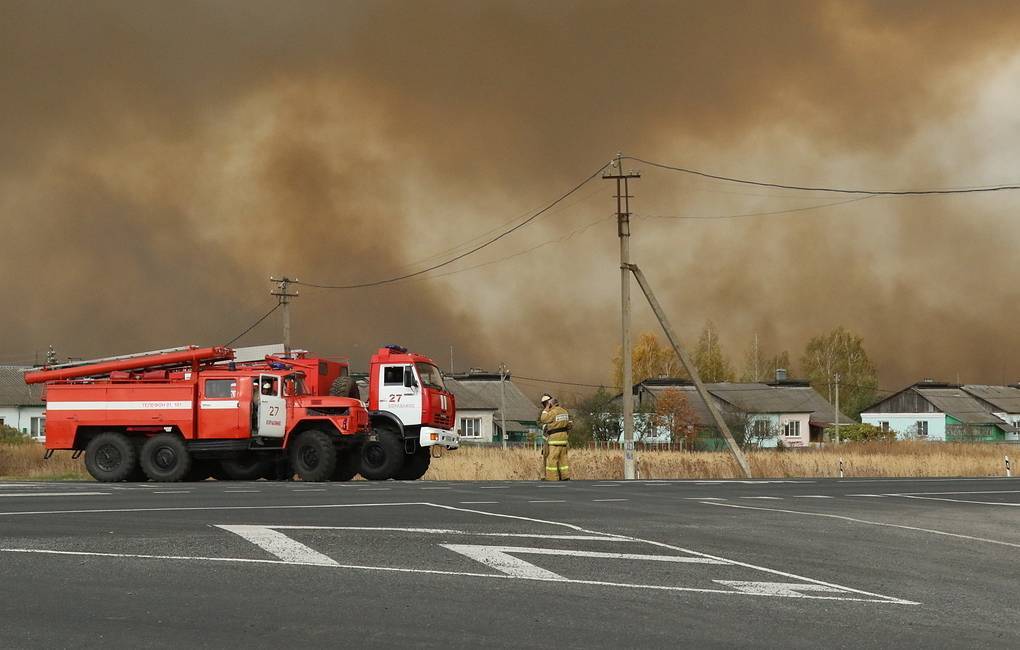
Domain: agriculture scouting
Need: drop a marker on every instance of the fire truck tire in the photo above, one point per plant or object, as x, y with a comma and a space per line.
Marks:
313, 456
382, 457
415, 465
165, 458
247, 468
348, 463
111, 457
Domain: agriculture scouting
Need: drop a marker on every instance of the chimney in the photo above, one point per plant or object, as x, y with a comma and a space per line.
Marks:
780, 374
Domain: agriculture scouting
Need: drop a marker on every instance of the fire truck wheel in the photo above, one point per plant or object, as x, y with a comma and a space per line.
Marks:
313, 456
382, 457
247, 468
111, 457
348, 463
415, 465
165, 458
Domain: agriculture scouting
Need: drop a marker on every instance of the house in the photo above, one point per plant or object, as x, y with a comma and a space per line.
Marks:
21, 405
787, 410
479, 417
931, 410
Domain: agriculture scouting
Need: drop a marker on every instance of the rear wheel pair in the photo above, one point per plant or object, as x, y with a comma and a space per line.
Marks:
383, 457
112, 457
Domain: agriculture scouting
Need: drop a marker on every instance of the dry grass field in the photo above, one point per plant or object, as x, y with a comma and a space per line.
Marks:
881, 459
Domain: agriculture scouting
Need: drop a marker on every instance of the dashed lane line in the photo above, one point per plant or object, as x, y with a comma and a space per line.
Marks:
769, 498
171, 492
603, 500
548, 501
867, 495
381, 489
309, 490
982, 503
478, 503
241, 491
810, 496
704, 499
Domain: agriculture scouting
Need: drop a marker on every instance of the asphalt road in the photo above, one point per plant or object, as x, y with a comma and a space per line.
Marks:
800, 563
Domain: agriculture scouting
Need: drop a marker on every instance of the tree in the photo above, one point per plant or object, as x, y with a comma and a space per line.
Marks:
841, 353
861, 433
759, 367
709, 359
598, 418
748, 431
649, 359
673, 414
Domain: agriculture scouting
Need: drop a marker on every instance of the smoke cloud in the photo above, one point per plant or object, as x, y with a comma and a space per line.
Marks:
161, 160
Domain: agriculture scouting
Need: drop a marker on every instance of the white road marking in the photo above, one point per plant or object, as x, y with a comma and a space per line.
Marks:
58, 494
866, 495
786, 589
548, 501
810, 496
171, 492
241, 491
309, 490
445, 531
278, 544
746, 482
852, 594
606, 485
900, 494
382, 489
983, 503
704, 499
493, 487
603, 500
478, 502
865, 521
497, 576
433, 488
770, 498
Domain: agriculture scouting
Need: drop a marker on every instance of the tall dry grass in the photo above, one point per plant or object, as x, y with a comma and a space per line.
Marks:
884, 459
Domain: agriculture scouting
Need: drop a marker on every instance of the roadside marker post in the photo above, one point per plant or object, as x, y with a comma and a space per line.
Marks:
841, 468
1009, 471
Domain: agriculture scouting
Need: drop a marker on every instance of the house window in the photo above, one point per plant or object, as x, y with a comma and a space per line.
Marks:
922, 428
791, 429
884, 426
1, 422
38, 427
471, 427
761, 428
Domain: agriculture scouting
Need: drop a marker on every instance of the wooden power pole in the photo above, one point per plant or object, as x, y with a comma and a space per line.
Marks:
281, 292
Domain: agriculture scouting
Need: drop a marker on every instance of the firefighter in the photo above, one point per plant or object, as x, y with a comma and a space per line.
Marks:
556, 425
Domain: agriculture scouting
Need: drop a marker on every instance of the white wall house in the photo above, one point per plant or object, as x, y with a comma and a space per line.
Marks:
935, 411
908, 426
476, 425
21, 406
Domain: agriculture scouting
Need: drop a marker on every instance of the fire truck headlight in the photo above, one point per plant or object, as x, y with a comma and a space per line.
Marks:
434, 436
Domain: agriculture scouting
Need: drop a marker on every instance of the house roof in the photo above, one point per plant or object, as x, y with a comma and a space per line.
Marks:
467, 399
960, 405
485, 387
14, 391
1003, 398
792, 397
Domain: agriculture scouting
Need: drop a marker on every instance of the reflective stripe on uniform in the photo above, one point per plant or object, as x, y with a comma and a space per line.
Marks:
551, 469
557, 443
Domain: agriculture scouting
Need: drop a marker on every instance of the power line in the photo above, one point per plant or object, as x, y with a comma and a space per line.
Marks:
253, 325
473, 250
837, 190
746, 215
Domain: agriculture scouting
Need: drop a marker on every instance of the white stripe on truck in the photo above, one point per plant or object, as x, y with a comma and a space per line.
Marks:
120, 406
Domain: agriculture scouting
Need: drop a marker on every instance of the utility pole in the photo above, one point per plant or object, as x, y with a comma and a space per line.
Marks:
837, 408
503, 373
623, 197
282, 284
451, 358
51, 356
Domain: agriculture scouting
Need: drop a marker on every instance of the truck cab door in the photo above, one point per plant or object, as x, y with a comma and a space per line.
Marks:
400, 392
272, 407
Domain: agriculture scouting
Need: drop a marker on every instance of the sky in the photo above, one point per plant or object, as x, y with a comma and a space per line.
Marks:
160, 161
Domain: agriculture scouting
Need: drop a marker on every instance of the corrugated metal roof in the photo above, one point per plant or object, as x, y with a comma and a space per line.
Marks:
468, 399
960, 405
1002, 398
755, 398
14, 391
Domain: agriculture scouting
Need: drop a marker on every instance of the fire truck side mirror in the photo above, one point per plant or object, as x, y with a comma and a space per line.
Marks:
409, 380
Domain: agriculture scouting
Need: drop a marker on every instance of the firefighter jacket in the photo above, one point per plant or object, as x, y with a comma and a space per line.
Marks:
555, 420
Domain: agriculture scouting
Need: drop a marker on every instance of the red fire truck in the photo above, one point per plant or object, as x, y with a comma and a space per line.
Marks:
190, 413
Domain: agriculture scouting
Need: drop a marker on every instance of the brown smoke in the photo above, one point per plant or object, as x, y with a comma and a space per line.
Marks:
160, 160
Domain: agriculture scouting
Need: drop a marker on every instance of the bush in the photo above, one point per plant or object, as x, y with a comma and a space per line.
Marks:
11, 436
860, 433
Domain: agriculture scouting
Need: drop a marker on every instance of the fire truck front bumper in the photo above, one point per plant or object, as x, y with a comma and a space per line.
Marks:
432, 437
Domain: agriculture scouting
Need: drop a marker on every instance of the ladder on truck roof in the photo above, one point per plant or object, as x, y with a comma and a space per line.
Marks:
156, 360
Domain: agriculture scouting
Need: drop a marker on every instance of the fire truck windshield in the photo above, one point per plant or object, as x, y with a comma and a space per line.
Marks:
430, 375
